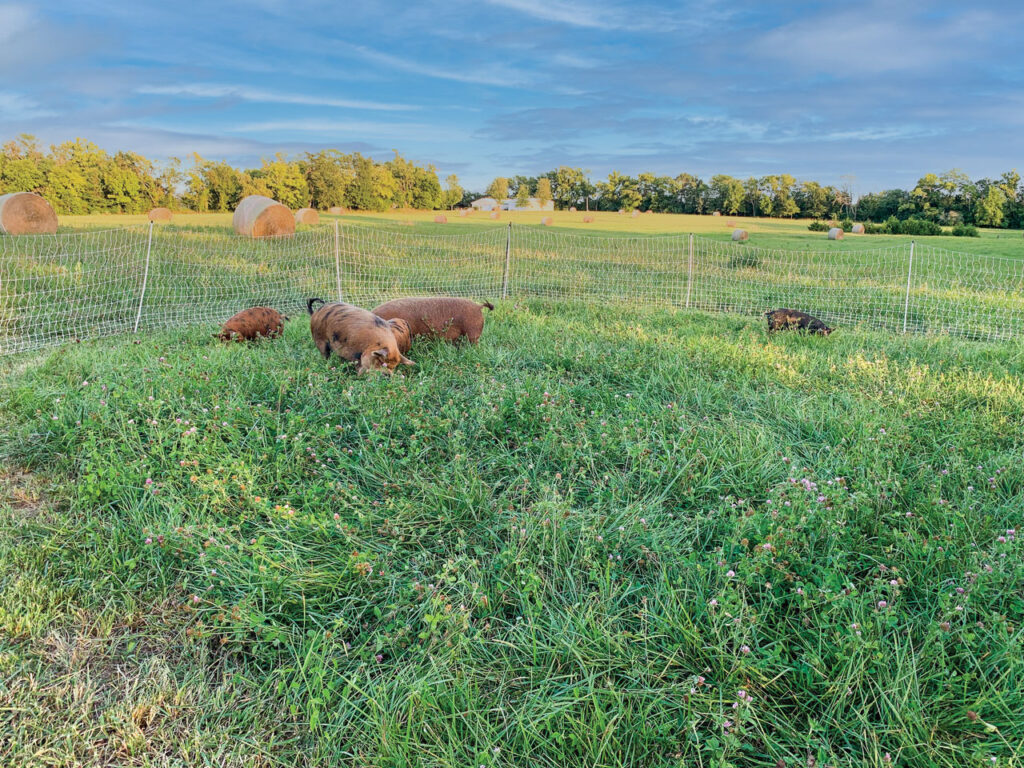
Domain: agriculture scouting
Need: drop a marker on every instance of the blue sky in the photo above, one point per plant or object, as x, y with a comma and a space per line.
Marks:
886, 91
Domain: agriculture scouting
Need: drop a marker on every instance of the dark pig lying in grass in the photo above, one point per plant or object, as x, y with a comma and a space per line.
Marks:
356, 335
449, 317
789, 319
252, 323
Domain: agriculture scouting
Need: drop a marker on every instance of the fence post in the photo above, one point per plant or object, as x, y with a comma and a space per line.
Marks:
145, 278
508, 261
689, 275
337, 259
910, 271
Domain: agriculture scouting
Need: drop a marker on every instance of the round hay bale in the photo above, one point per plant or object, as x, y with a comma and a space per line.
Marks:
858, 229
258, 216
588, 219
717, 213
495, 215
730, 224
740, 235
439, 219
160, 214
26, 213
307, 216
546, 221
835, 233
336, 210
635, 213
462, 212
572, 209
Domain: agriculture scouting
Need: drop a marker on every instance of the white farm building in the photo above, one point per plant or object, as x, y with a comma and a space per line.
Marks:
511, 204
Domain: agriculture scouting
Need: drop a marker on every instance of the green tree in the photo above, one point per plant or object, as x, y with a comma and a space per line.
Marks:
727, 194
373, 188
498, 189
543, 191
329, 175
570, 187
23, 166
522, 196
453, 191
426, 193
990, 210
285, 181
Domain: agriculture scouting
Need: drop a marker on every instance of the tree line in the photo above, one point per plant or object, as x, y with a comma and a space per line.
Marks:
80, 177
950, 198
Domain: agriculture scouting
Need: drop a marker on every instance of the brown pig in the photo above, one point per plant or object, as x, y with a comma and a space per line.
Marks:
356, 335
252, 323
449, 317
788, 319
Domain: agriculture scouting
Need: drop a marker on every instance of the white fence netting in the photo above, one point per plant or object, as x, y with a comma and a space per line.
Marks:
59, 288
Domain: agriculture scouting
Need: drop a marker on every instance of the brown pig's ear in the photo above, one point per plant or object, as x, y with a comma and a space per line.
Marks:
381, 353
407, 361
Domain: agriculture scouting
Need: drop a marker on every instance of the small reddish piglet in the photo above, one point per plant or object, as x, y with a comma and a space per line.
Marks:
252, 323
789, 319
355, 334
445, 316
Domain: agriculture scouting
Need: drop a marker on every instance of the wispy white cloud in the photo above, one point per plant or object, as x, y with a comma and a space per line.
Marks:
245, 93
365, 128
491, 74
14, 20
17, 106
588, 16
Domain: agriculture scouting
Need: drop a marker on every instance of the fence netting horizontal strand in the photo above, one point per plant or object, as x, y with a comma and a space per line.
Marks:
70, 286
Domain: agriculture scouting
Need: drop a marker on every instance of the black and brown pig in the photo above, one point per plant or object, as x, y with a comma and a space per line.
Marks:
355, 334
790, 319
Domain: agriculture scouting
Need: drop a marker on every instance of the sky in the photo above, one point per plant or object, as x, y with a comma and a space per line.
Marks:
883, 92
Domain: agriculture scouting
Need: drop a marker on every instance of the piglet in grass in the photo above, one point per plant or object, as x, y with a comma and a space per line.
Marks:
252, 323
793, 319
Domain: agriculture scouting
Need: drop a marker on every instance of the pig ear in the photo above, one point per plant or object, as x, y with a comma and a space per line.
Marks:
407, 361
381, 353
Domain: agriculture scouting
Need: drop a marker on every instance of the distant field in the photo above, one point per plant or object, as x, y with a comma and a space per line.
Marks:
790, 234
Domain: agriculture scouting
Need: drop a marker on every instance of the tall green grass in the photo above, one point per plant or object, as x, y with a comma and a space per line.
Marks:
603, 536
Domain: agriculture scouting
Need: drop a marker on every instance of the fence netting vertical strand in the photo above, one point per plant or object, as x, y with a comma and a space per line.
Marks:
380, 264
67, 287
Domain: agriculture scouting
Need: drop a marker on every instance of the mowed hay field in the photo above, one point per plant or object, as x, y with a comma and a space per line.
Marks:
605, 536
791, 234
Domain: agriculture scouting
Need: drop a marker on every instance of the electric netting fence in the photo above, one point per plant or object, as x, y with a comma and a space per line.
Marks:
77, 286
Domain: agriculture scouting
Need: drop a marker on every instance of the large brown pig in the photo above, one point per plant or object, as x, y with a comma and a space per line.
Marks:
449, 317
356, 335
251, 324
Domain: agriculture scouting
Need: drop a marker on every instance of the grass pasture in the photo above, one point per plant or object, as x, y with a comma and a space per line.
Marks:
605, 536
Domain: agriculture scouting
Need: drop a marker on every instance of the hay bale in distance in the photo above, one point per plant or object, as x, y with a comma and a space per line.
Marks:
307, 216
336, 210
259, 216
731, 224
495, 215
439, 219
588, 219
26, 213
716, 213
546, 221
835, 233
635, 213
858, 229
462, 212
739, 235
160, 214
572, 209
